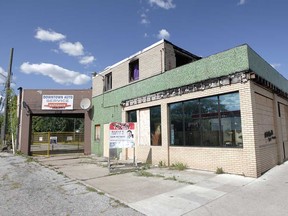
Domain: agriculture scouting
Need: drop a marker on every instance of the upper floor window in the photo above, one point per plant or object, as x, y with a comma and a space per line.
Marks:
134, 70
108, 82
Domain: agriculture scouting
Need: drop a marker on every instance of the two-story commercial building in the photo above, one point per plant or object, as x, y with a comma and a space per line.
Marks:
227, 110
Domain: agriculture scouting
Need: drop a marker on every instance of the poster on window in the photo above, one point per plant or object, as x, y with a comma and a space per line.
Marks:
121, 135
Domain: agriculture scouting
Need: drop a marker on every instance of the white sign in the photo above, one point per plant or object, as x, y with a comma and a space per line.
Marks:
121, 135
57, 102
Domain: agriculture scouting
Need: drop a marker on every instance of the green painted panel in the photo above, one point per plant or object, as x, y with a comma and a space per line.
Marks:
266, 71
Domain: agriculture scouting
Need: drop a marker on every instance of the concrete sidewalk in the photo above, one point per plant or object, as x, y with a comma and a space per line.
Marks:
188, 192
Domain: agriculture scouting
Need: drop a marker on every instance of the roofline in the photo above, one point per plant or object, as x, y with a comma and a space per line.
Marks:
148, 48
132, 56
182, 50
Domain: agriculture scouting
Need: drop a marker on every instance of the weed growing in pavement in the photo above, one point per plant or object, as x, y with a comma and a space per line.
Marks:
145, 166
173, 178
186, 182
147, 174
219, 170
144, 173
16, 185
178, 166
30, 159
116, 203
91, 189
162, 164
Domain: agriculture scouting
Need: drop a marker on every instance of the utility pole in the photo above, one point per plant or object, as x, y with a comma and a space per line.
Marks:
7, 96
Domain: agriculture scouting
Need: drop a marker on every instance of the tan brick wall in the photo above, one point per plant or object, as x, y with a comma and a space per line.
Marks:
237, 161
258, 115
270, 152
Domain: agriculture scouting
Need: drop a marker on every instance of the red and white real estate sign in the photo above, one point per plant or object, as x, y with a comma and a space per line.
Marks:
121, 135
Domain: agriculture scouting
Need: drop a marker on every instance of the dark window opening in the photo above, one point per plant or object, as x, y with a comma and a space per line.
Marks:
134, 70
182, 59
132, 116
108, 82
155, 125
212, 121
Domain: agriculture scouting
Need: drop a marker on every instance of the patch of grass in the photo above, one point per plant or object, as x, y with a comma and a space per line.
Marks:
147, 174
30, 159
186, 182
178, 166
15, 185
144, 173
173, 178
162, 164
146, 166
219, 170
116, 203
100, 193
91, 189
19, 153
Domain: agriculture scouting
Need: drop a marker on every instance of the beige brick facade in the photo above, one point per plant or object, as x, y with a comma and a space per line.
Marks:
264, 113
258, 116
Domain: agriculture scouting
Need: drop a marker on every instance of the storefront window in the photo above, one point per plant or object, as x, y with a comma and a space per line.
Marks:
212, 121
155, 125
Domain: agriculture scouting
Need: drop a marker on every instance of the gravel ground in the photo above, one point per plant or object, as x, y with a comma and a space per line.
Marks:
27, 188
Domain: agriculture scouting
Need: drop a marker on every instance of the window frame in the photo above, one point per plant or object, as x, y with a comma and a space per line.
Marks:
97, 135
132, 74
191, 127
108, 81
155, 128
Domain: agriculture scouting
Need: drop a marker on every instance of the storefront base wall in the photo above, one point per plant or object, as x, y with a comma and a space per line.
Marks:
269, 157
210, 159
152, 154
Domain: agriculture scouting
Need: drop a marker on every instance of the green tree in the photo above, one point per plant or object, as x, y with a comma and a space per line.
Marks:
56, 124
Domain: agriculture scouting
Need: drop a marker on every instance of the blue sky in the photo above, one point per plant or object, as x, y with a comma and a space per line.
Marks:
58, 43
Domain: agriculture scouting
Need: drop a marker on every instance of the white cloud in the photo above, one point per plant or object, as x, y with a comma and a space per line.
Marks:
86, 60
72, 49
144, 19
49, 35
276, 65
55, 72
241, 2
163, 34
165, 4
